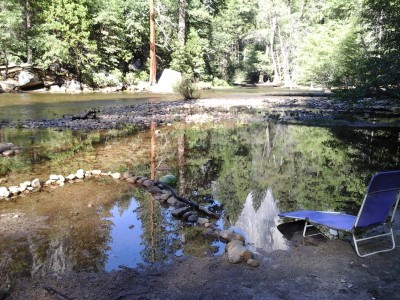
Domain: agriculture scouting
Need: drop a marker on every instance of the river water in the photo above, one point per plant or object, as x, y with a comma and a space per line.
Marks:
247, 173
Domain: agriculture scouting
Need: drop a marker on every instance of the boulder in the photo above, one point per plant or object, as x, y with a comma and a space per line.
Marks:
172, 200
169, 78
8, 86
202, 221
74, 86
193, 218
71, 177
14, 190
27, 79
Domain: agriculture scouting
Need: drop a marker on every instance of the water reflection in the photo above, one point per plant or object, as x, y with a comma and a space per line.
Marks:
125, 245
260, 226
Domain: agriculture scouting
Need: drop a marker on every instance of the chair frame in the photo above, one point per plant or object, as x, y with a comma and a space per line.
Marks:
355, 237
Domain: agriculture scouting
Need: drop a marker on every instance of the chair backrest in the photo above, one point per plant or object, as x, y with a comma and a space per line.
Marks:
382, 194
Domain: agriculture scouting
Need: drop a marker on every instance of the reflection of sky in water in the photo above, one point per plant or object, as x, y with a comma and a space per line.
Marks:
260, 227
126, 244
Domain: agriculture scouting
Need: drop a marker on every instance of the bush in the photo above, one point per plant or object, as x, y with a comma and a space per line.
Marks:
103, 79
219, 82
186, 88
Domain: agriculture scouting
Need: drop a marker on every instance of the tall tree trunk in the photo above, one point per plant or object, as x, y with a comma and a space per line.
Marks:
182, 22
273, 23
153, 62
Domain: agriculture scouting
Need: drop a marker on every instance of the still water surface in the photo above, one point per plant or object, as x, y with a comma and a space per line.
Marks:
245, 173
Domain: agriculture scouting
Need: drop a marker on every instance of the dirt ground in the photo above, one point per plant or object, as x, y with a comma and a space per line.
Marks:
313, 268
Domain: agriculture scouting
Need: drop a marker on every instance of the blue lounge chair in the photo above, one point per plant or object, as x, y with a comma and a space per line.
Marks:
382, 195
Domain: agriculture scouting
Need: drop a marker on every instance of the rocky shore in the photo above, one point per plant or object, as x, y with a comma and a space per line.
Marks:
291, 110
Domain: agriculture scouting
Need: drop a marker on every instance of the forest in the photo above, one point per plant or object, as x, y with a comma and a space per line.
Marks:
352, 45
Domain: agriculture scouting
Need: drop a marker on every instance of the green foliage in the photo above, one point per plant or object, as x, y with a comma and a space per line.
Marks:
186, 88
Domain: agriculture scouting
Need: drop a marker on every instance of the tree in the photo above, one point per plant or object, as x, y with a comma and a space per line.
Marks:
11, 28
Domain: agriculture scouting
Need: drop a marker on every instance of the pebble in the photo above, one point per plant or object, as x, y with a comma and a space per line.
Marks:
253, 263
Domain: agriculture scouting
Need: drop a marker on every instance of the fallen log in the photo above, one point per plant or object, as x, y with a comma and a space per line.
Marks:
193, 204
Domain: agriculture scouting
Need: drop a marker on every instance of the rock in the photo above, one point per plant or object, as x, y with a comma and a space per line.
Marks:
116, 175
5, 147
236, 251
165, 196
202, 221
148, 183
141, 180
96, 172
61, 178
186, 215
253, 263
14, 190
80, 174
85, 115
28, 79
24, 185
172, 201
169, 78
36, 183
53, 177
179, 212
131, 180
193, 218
8, 153
169, 179
127, 175
4, 192
229, 235
154, 190
71, 177
49, 182
74, 86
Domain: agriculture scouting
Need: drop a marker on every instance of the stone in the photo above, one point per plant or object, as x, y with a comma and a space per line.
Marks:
172, 200
127, 175
61, 178
253, 263
141, 180
116, 175
155, 190
165, 196
24, 185
169, 78
8, 153
36, 183
177, 213
186, 215
193, 218
236, 251
49, 182
131, 180
71, 177
80, 175
96, 172
229, 235
14, 190
53, 177
5, 147
148, 183
4, 192
202, 221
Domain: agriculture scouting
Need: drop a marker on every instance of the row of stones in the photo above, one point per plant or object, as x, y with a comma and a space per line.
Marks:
236, 249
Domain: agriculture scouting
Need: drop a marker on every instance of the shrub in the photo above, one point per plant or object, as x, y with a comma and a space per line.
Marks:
186, 88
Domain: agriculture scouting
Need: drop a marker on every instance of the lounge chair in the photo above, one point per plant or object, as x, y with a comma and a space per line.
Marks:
383, 194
